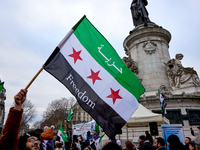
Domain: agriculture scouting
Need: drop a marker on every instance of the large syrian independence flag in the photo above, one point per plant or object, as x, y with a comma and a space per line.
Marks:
90, 68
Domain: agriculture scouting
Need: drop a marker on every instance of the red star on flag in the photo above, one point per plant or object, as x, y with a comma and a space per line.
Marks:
94, 76
114, 95
75, 55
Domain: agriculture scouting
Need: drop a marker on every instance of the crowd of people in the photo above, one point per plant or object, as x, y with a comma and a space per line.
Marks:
34, 140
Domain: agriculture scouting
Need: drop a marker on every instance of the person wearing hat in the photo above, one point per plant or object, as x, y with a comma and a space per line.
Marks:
149, 137
141, 141
118, 142
197, 135
144, 144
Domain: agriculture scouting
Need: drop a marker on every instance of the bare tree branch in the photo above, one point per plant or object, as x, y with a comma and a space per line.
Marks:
57, 111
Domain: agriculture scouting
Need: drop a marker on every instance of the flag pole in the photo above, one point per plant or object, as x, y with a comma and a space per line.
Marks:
34, 78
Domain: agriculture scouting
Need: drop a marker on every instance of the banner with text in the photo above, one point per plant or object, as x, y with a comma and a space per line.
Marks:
83, 128
176, 129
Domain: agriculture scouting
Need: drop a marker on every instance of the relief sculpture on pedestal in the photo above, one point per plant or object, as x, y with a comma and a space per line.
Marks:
132, 65
179, 76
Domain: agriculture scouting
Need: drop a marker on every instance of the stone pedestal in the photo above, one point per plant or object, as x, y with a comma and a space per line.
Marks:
148, 47
149, 59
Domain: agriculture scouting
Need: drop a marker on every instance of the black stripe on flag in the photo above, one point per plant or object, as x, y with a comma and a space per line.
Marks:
100, 111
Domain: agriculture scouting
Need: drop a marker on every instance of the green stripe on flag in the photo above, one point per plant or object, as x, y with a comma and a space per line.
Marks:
62, 134
96, 127
101, 138
69, 117
161, 99
103, 52
77, 24
1, 86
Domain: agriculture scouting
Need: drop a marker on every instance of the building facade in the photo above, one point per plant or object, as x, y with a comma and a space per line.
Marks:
80, 116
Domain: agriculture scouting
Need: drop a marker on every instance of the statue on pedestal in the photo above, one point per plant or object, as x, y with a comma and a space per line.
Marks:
179, 76
139, 12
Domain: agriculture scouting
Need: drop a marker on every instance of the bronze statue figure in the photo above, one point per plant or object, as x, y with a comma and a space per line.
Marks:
139, 12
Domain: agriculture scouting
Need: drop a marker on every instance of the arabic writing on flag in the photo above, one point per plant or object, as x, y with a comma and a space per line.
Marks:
90, 68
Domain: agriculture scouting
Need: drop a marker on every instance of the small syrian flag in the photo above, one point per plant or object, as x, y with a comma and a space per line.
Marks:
44, 144
78, 145
87, 64
1, 86
70, 115
96, 127
162, 103
97, 141
62, 135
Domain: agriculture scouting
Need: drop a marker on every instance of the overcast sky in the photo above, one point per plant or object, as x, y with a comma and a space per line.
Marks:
31, 29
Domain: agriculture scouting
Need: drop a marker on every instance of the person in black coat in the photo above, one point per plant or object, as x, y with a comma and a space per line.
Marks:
174, 143
144, 144
149, 137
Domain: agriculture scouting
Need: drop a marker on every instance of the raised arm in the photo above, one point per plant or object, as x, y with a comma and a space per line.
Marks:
10, 135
